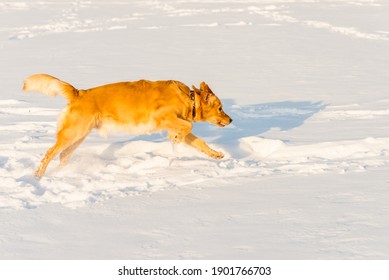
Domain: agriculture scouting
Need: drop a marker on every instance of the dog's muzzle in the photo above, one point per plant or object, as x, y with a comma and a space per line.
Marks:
224, 122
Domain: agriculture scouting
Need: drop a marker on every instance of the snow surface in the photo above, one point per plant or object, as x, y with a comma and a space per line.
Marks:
306, 169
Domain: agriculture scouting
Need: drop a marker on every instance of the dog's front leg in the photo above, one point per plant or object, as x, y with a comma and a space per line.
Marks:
177, 129
194, 141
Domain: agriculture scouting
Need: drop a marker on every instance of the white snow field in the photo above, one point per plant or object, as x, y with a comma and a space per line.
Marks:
305, 174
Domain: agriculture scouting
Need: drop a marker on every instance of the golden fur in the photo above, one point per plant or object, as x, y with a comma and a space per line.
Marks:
137, 107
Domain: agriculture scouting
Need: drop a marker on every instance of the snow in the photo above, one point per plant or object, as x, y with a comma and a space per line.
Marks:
307, 155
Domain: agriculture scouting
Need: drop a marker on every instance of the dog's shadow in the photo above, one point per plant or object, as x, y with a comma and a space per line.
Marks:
256, 119
248, 120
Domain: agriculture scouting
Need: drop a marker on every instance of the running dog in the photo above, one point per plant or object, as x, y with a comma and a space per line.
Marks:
137, 107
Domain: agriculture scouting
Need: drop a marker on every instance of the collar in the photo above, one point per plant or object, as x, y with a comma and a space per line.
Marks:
192, 97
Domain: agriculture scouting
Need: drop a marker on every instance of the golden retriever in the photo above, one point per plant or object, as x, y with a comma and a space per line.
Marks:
137, 107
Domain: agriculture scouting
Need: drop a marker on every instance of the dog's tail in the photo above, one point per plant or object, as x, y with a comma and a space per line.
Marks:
51, 86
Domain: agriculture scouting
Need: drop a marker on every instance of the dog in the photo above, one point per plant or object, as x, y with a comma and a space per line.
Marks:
137, 107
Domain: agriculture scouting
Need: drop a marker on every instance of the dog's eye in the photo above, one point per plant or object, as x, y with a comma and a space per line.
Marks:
220, 109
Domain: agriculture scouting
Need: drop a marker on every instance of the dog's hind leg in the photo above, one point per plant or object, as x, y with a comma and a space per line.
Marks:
60, 145
66, 154
73, 130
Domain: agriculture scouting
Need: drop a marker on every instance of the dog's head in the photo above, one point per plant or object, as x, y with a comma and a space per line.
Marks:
210, 107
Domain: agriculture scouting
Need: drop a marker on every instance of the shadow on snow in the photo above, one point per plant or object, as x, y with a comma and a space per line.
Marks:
248, 120
256, 119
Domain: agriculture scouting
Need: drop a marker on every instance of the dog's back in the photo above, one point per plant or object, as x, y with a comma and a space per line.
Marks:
136, 107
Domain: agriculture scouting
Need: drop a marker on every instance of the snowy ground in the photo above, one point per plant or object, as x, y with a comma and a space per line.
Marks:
306, 169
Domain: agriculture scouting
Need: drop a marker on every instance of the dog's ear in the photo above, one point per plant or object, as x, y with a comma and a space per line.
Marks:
196, 89
205, 87
206, 92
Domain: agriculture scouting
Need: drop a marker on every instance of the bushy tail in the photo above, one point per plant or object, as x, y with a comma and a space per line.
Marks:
49, 85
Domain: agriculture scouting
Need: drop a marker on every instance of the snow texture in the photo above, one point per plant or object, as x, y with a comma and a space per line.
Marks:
307, 155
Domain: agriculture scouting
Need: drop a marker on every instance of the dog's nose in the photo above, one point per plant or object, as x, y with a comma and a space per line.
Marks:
230, 120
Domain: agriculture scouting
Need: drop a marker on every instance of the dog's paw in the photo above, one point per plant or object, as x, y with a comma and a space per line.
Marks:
38, 174
216, 154
176, 138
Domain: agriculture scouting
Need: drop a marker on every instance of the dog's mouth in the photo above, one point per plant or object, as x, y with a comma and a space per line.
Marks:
222, 124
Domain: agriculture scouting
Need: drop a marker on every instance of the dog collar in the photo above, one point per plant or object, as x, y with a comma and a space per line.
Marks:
192, 97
